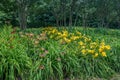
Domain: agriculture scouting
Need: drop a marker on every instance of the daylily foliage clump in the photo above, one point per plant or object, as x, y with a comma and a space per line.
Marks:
52, 54
84, 43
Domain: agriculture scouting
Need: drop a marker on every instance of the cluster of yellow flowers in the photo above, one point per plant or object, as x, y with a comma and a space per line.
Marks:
95, 49
103, 48
85, 44
63, 36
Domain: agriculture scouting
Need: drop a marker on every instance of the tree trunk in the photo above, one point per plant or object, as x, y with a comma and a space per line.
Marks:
23, 20
22, 13
64, 19
70, 18
102, 23
60, 23
76, 20
84, 21
57, 22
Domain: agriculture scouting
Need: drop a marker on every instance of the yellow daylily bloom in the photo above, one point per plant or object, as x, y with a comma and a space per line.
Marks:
108, 47
91, 51
96, 55
83, 51
104, 54
80, 43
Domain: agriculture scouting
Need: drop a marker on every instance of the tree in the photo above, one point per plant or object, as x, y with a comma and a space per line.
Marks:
22, 13
7, 11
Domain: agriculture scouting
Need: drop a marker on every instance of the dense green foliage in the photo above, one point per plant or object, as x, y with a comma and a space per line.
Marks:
94, 13
39, 54
64, 52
